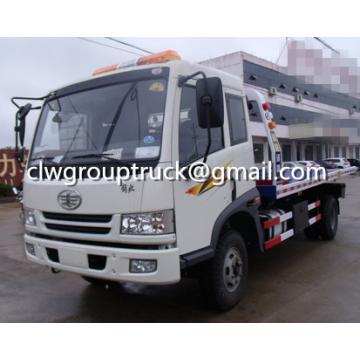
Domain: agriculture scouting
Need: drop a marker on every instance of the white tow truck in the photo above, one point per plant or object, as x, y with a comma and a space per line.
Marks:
128, 179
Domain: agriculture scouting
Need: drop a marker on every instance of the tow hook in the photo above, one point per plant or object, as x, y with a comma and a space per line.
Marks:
55, 271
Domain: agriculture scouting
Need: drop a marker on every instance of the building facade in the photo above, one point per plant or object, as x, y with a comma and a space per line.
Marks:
313, 121
10, 171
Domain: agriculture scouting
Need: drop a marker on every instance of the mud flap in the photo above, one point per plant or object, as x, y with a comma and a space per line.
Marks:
300, 216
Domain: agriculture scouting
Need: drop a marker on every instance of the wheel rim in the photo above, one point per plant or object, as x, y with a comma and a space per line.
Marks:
232, 269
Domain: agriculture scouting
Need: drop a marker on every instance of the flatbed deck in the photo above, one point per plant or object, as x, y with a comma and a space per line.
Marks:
293, 186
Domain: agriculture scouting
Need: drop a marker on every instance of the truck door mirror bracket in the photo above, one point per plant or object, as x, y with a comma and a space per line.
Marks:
20, 157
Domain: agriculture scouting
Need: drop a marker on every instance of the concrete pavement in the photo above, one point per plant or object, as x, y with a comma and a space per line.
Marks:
300, 280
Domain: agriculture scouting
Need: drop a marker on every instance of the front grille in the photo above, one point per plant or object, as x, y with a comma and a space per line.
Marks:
77, 217
78, 229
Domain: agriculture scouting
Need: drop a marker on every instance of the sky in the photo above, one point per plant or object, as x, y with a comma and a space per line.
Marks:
32, 66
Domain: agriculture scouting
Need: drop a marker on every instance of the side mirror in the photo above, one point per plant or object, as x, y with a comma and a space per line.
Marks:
209, 95
21, 115
23, 111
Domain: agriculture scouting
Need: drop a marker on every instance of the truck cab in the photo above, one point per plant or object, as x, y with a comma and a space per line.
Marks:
112, 189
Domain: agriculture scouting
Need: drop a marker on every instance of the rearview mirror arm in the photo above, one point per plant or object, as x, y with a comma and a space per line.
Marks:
207, 102
183, 79
30, 98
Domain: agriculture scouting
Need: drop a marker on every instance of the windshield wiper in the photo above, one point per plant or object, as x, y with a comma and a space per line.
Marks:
95, 155
46, 158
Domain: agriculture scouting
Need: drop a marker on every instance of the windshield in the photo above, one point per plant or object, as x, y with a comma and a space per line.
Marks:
121, 122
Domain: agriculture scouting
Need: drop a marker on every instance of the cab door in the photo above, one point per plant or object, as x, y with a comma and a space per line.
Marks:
198, 203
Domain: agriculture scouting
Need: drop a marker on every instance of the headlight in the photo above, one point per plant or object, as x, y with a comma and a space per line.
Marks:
160, 222
29, 217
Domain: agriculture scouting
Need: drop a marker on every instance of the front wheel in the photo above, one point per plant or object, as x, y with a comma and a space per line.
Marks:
224, 282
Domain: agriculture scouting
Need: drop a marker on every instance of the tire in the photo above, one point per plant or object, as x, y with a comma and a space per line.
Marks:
98, 282
329, 217
224, 281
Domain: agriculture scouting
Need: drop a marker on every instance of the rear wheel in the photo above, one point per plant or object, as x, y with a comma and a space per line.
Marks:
224, 281
329, 217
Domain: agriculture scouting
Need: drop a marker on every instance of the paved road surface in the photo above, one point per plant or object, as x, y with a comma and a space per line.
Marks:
298, 281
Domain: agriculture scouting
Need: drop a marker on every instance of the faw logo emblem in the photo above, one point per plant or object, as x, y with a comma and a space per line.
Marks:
69, 199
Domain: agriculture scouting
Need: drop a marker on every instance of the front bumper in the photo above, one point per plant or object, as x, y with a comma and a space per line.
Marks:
109, 263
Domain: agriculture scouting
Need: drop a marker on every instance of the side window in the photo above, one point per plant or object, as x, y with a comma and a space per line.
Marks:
236, 115
193, 140
258, 153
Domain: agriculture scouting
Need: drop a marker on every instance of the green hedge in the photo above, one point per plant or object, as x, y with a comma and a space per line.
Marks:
6, 190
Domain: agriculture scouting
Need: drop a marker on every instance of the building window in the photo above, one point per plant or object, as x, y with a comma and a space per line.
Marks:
336, 151
357, 153
286, 151
309, 152
343, 151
